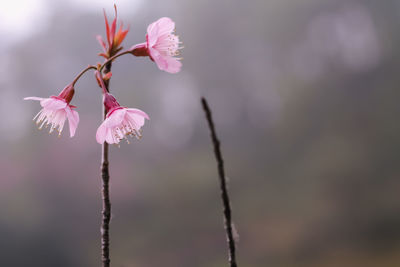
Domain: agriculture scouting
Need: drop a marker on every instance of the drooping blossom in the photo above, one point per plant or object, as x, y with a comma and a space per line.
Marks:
120, 122
162, 45
114, 37
56, 109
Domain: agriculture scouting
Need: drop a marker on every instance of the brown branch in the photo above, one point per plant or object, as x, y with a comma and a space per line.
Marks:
111, 59
83, 72
224, 192
105, 175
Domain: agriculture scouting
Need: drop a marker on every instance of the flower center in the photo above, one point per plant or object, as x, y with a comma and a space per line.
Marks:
124, 130
50, 117
168, 45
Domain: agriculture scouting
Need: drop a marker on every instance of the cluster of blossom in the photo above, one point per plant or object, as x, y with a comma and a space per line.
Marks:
161, 46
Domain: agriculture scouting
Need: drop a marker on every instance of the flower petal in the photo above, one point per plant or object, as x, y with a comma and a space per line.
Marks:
73, 120
138, 112
152, 34
136, 118
34, 98
101, 133
174, 65
115, 118
165, 26
165, 63
162, 64
160, 27
53, 103
109, 137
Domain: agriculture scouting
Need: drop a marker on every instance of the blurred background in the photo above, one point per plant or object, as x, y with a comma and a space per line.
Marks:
305, 100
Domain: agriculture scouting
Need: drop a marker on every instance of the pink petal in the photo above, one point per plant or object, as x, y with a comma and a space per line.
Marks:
110, 137
158, 28
166, 63
53, 104
101, 133
58, 117
152, 35
34, 98
73, 120
115, 118
135, 120
138, 112
158, 59
165, 26
136, 117
174, 65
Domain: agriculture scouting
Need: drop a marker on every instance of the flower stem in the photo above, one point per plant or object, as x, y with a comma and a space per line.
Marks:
101, 81
103, 66
81, 73
110, 60
105, 175
224, 192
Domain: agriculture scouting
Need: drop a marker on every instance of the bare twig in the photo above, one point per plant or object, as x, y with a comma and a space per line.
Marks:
224, 191
105, 175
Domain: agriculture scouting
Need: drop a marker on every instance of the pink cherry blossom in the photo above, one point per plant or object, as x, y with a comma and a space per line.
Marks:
56, 109
119, 123
161, 45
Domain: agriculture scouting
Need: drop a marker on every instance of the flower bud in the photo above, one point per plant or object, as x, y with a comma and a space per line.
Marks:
140, 50
67, 93
110, 102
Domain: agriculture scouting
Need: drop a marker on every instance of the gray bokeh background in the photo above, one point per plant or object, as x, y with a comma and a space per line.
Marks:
305, 99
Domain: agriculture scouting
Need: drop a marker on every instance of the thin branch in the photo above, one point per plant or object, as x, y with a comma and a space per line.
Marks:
111, 59
81, 73
224, 192
105, 175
